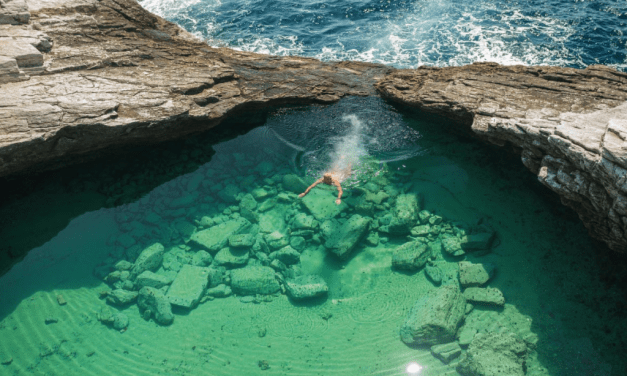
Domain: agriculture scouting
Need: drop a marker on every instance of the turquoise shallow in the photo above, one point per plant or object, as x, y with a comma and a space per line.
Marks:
199, 258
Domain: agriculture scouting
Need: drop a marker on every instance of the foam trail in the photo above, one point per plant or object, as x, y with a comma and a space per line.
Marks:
349, 148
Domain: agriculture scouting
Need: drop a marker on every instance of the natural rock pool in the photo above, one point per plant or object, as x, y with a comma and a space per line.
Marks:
444, 256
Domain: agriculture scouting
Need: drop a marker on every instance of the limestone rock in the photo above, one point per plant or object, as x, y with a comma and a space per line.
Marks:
344, 239
120, 297
446, 351
219, 291
434, 273
478, 241
149, 259
232, 257
202, 258
494, 354
435, 317
306, 287
404, 215
241, 241
475, 274
294, 184
215, 238
188, 286
13, 12
321, 204
569, 125
253, 280
451, 244
411, 256
23, 52
154, 303
286, 255
120, 321
488, 295
148, 278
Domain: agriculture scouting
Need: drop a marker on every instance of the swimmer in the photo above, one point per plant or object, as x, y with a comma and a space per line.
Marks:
332, 178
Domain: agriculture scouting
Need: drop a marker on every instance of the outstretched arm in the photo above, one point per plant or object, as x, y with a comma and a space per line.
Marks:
311, 186
339, 191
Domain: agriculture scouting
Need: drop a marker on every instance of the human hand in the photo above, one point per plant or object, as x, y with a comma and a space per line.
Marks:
338, 201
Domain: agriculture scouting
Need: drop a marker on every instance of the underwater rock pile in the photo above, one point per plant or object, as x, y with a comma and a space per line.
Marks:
241, 229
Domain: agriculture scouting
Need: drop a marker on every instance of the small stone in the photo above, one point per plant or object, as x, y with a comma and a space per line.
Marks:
202, 258
149, 259
372, 239
121, 297
452, 245
422, 230
306, 287
220, 291
446, 352
153, 302
411, 256
263, 364
488, 295
232, 257
123, 265
253, 280
481, 241
286, 255
151, 279
120, 321
51, 320
297, 242
475, 274
188, 286
61, 300
241, 241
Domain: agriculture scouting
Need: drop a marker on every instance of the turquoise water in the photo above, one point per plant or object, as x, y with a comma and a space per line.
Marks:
563, 296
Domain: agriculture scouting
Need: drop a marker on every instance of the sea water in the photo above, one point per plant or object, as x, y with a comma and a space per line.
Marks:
55, 316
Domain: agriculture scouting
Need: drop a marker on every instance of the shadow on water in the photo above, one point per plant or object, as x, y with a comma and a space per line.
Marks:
34, 208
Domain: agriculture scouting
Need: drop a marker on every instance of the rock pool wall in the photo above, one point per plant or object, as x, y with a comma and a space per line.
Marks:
78, 76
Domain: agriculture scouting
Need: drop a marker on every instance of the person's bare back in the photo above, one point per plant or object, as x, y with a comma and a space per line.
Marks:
335, 177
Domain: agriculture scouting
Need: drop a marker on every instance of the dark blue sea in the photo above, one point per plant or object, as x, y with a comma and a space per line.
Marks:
407, 34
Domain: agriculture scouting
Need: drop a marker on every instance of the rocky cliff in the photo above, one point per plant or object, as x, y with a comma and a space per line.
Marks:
78, 76
569, 125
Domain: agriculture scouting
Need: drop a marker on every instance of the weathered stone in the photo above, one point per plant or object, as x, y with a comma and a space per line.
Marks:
188, 286
13, 12
446, 352
434, 273
479, 241
303, 221
232, 257
294, 184
298, 242
215, 238
435, 317
404, 215
494, 354
475, 274
344, 239
154, 303
286, 255
306, 287
254, 280
466, 335
411, 256
121, 297
151, 279
451, 244
219, 291
571, 136
488, 295
149, 259
422, 230
202, 258
241, 240
120, 321
248, 202
321, 204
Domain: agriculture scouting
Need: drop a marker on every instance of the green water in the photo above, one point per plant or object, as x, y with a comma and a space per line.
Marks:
559, 299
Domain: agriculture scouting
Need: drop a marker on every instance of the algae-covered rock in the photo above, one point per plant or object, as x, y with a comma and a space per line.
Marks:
303, 221
120, 321
155, 304
253, 280
451, 244
188, 286
434, 273
276, 240
446, 352
241, 240
202, 258
321, 204
494, 354
411, 256
293, 184
488, 295
478, 241
435, 317
120, 297
286, 255
306, 287
248, 202
149, 259
232, 257
151, 279
271, 221
404, 215
219, 291
342, 240
215, 238
475, 274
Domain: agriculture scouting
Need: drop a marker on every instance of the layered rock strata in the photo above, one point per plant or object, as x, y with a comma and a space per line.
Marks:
86, 75
569, 125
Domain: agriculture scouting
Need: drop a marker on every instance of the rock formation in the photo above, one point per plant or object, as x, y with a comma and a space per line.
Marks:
569, 125
78, 76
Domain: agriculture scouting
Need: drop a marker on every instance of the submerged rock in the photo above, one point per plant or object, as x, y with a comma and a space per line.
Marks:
435, 317
479, 241
494, 354
155, 304
293, 184
475, 274
215, 238
120, 297
188, 286
253, 280
321, 204
411, 256
151, 279
488, 295
446, 352
404, 215
306, 287
344, 239
232, 257
149, 259
286, 255
451, 244
434, 273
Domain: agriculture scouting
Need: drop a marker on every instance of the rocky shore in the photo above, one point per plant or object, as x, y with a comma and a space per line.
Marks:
77, 76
